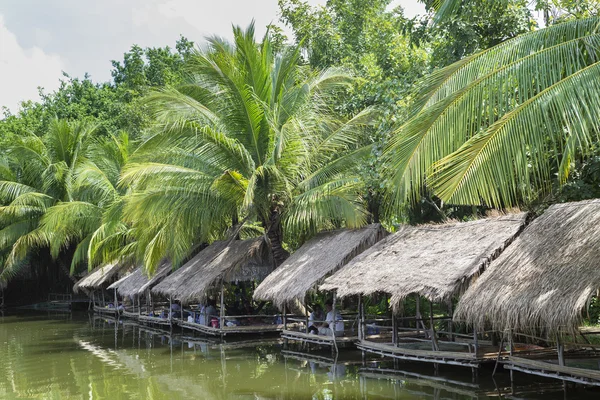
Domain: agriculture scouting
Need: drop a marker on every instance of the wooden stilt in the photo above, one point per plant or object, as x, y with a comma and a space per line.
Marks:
222, 310
450, 323
335, 348
560, 348
394, 329
360, 317
170, 312
434, 344
362, 320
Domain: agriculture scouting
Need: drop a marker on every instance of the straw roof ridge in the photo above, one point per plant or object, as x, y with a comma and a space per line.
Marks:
138, 281
437, 261
312, 262
236, 260
98, 276
545, 279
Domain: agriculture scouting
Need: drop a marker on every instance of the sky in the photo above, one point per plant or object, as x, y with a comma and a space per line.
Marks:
39, 39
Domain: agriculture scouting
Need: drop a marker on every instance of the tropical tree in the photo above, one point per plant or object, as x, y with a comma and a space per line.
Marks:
250, 138
59, 192
499, 127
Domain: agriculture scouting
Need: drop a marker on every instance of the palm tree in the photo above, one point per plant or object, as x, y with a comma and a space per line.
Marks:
251, 137
59, 192
495, 127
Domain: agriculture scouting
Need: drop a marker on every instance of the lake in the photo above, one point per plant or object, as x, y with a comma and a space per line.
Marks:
80, 356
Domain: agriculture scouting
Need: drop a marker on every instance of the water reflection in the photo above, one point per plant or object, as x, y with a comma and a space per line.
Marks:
92, 358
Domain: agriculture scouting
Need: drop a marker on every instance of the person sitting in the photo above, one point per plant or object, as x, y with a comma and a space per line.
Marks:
210, 311
315, 320
333, 323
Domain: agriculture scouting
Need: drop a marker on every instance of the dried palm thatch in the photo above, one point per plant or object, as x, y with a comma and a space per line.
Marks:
546, 278
320, 256
435, 261
98, 277
241, 260
137, 282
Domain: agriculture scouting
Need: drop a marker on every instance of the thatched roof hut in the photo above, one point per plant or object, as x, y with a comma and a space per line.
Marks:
137, 282
98, 277
241, 260
434, 261
320, 256
546, 278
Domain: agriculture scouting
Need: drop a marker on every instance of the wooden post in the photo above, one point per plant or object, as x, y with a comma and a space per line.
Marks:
116, 303
306, 316
222, 310
560, 350
475, 341
103, 301
434, 344
394, 329
333, 311
170, 314
360, 317
450, 323
139, 305
284, 317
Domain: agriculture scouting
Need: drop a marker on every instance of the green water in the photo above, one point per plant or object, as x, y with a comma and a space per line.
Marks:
82, 357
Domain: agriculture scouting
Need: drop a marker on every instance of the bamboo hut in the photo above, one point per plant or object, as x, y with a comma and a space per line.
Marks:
541, 286
308, 266
136, 285
220, 263
95, 283
434, 262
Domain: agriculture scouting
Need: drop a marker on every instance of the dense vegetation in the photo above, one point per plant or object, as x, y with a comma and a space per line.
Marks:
363, 115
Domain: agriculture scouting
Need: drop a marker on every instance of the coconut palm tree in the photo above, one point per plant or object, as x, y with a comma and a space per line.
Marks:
498, 127
250, 138
59, 192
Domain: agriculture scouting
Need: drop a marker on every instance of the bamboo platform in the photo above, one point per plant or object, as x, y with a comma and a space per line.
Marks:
555, 371
106, 311
130, 314
230, 330
145, 319
319, 339
463, 359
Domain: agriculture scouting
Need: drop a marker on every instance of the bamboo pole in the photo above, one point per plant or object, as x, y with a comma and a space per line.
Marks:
222, 310
560, 348
333, 311
360, 318
394, 330
434, 343
475, 341
284, 317
450, 323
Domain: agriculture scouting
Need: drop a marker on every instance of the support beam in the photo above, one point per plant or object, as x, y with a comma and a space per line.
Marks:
360, 318
434, 343
222, 309
560, 348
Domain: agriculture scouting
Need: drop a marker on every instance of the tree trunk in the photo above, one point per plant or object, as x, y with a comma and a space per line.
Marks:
275, 235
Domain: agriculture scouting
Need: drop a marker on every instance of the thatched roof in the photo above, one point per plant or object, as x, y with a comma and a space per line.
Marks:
138, 281
98, 277
320, 256
546, 278
242, 260
435, 261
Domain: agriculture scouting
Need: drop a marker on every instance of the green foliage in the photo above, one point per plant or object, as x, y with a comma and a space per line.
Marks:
538, 95
249, 136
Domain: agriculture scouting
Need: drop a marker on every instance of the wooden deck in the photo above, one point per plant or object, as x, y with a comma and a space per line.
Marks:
318, 339
463, 359
550, 370
106, 311
230, 330
145, 319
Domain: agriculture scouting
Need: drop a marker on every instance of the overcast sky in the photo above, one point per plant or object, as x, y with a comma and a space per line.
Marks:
41, 38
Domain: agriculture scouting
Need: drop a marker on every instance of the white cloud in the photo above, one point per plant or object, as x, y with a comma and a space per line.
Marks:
23, 70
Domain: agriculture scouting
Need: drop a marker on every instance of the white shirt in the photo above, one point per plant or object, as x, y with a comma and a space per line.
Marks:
339, 325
